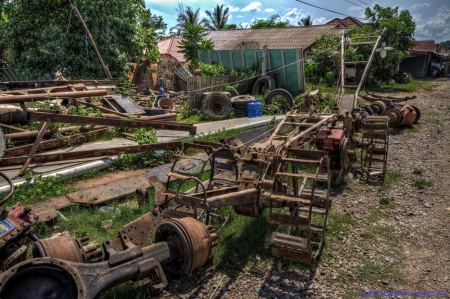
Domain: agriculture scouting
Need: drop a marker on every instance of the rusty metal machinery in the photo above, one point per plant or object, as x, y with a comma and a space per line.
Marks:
181, 245
288, 171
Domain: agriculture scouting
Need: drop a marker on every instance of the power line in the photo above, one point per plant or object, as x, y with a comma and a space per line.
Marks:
330, 10
354, 3
364, 3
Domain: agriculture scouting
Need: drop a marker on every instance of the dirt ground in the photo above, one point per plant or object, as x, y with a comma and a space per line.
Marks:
397, 237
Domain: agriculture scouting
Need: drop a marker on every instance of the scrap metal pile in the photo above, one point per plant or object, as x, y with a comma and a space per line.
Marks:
117, 111
65, 267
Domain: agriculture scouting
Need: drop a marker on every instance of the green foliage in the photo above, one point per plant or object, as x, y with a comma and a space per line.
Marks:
218, 18
325, 53
274, 21
150, 21
310, 68
145, 136
422, 183
445, 44
399, 35
212, 70
187, 16
192, 42
417, 171
40, 188
52, 38
306, 21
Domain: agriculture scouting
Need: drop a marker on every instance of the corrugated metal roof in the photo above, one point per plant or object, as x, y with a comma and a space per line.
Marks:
222, 37
169, 46
274, 38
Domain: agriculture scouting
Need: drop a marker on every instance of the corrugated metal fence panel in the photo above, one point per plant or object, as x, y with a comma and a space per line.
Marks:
276, 62
292, 82
226, 60
215, 57
8, 74
289, 77
238, 61
203, 56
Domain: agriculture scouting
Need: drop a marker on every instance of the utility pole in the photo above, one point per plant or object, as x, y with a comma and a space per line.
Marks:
78, 15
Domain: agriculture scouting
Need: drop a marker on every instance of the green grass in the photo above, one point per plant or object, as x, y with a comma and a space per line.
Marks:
417, 171
422, 183
392, 177
413, 86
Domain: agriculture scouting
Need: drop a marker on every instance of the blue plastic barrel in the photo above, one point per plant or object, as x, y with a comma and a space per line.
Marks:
252, 109
259, 108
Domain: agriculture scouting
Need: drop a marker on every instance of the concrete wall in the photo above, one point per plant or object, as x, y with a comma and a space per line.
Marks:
417, 66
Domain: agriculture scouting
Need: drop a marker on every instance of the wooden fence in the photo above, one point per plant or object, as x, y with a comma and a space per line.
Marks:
197, 85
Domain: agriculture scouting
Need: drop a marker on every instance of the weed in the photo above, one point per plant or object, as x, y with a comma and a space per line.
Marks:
392, 176
422, 183
417, 171
386, 200
439, 131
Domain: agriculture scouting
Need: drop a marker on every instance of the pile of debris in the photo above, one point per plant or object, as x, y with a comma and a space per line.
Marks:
116, 111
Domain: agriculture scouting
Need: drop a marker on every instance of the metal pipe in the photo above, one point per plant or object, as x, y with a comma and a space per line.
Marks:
33, 134
309, 130
20, 150
33, 149
53, 157
83, 120
23, 98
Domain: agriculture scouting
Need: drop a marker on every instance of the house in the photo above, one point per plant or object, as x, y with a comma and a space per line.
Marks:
172, 61
425, 59
274, 38
345, 23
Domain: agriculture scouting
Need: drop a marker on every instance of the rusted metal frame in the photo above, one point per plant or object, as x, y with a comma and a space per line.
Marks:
20, 150
83, 120
46, 90
393, 99
33, 134
34, 148
13, 99
105, 100
12, 128
44, 158
366, 70
102, 109
232, 198
342, 89
309, 130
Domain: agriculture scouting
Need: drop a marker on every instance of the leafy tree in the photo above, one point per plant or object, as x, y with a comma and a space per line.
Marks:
306, 22
192, 42
445, 44
325, 53
151, 21
218, 18
187, 16
231, 26
274, 21
45, 36
399, 35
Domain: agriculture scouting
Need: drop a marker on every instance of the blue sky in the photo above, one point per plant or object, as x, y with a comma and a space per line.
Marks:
432, 17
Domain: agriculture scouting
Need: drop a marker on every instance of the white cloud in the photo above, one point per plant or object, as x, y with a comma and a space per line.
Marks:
356, 8
253, 7
319, 21
425, 4
269, 10
293, 16
239, 16
434, 28
233, 9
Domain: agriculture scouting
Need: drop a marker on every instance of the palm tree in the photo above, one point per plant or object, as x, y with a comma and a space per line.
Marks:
187, 16
218, 18
305, 22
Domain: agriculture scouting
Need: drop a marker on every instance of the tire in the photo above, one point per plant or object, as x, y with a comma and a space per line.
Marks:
262, 84
155, 111
240, 102
369, 110
280, 95
216, 105
239, 112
